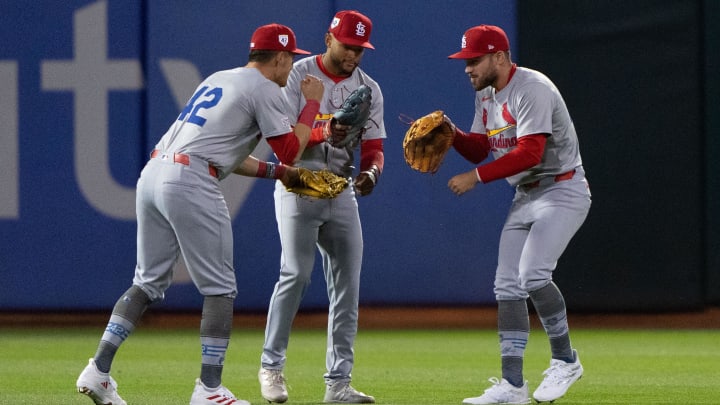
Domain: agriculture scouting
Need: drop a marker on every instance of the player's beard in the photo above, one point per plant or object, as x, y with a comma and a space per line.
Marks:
487, 79
341, 66
480, 83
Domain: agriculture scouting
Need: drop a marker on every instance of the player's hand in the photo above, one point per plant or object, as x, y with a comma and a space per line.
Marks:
365, 183
463, 182
333, 129
449, 122
291, 178
312, 88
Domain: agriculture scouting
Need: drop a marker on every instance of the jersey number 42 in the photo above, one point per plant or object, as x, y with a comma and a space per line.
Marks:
210, 98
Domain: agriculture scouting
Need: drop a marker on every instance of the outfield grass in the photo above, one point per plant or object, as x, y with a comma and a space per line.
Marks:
39, 366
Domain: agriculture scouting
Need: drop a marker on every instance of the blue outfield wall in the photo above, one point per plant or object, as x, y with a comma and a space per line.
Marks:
88, 87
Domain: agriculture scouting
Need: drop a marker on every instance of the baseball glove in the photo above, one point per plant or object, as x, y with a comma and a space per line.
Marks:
319, 183
354, 114
427, 141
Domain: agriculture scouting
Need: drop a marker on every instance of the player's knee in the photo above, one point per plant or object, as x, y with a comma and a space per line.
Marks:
293, 278
146, 292
508, 289
534, 283
510, 293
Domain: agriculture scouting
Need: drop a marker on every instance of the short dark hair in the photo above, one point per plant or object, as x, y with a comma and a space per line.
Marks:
261, 55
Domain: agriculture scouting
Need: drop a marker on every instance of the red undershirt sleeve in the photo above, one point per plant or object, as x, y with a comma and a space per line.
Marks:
528, 153
285, 147
316, 137
472, 146
371, 153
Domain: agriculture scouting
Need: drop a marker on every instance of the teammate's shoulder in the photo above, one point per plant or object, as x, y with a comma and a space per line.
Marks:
364, 78
531, 75
237, 73
305, 62
227, 78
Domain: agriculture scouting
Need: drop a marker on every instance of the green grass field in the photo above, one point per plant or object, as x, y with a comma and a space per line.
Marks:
158, 366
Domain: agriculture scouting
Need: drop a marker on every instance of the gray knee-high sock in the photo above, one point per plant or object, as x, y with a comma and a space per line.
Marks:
127, 312
550, 306
513, 330
215, 328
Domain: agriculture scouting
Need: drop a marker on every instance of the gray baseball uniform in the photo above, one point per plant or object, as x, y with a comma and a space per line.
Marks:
523, 121
180, 206
545, 213
332, 225
181, 209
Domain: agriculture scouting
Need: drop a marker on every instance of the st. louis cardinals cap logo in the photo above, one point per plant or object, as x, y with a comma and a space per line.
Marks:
283, 39
463, 44
360, 29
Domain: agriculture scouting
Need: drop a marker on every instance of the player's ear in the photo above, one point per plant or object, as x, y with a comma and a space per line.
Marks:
328, 39
277, 59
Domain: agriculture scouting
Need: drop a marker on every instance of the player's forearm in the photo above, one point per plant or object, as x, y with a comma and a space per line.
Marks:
472, 146
303, 128
527, 154
248, 167
252, 167
317, 136
372, 154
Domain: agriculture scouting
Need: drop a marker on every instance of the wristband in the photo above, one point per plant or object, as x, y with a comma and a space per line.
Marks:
309, 112
477, 174
269, 170
262, 167
280, 171
372, 174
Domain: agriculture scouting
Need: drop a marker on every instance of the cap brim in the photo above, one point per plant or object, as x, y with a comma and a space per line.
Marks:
298, 51
467, 55
364, 44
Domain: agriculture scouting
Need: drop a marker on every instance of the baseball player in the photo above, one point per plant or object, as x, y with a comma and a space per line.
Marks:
522, 119
181, 209
330, 225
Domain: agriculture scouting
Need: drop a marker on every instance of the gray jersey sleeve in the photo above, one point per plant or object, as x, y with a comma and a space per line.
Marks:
271, 110
534, 106
294, 97
375, 128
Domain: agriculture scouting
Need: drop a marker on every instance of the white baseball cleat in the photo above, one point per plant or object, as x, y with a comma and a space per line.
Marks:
203, 395
558, 378
501, 392
342, 392
272, 385
99, 386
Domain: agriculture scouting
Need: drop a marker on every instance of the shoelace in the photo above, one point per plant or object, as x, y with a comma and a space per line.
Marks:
557, 373
495, 391
275, 377
346, 391
495, 383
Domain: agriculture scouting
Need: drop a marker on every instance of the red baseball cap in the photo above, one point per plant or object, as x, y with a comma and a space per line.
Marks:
352, 28
275, 37
482, 40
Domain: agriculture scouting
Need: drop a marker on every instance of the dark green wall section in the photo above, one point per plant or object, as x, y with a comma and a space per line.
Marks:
637, 81
712, 138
